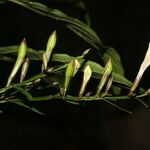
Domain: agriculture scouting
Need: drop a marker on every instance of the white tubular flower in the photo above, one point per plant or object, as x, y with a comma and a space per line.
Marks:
143, 67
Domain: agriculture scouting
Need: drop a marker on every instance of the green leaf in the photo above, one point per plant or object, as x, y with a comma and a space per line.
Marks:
79, 5
117, 65
120, 108
8, 50
142, 102
6, 58
32, 54
24, 92
20, 103
26, 82
81, 29
63, 58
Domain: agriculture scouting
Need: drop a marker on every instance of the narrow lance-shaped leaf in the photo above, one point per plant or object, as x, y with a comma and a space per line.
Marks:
120, 108
21, 55
86, 78
68, 75
78, 27
24, 70
20, 103
49, 48
6, 58
143, 67
107, 72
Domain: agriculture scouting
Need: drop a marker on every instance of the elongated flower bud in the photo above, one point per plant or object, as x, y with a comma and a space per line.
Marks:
24, 70
68, 75
51, 43
22, 49
108, 86
85, 52
86, 78
21, 55
49, 48
143, 67
106, 74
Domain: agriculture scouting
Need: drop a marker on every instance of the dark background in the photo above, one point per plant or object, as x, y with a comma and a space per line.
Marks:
123, 25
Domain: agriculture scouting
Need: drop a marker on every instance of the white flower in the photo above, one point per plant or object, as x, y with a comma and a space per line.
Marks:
143, 67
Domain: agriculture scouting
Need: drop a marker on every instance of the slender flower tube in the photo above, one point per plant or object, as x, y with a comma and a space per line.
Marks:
21, 55
143, 67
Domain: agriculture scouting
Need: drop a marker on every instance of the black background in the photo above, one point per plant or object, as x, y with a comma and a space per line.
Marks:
125, 25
